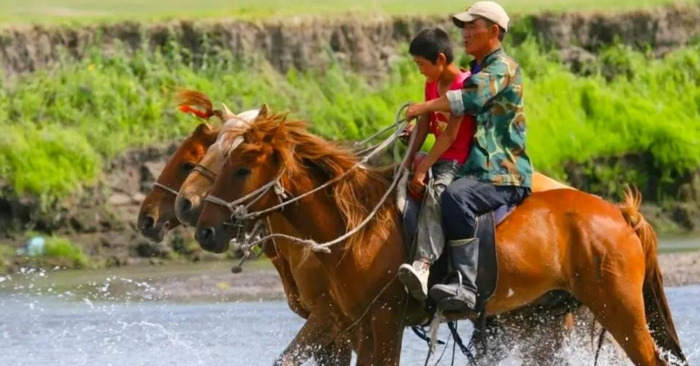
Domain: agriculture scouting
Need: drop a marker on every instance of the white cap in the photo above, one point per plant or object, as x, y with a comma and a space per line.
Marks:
483, 9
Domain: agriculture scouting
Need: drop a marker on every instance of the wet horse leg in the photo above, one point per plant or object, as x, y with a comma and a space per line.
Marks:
317, 333
542, 343
291, 291
387, 333
338, 353
618, 305
363, 340
538, 334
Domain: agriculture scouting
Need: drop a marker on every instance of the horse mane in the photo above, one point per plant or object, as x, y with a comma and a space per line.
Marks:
355, 195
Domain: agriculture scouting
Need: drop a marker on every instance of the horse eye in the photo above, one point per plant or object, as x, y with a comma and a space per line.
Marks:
188, 166
242, 172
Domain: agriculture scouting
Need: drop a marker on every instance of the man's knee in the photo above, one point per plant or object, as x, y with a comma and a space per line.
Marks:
450, 201
460, 190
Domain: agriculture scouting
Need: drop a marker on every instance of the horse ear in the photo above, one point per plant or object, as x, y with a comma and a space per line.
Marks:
227, 112
203, 128
264, 110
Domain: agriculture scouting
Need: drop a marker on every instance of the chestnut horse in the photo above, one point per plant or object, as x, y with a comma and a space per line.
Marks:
603, 254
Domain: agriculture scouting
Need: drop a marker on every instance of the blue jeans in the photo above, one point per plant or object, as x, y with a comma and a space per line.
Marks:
466, 198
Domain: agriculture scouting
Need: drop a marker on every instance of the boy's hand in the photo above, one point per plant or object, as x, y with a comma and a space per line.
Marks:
417, 184
405, 135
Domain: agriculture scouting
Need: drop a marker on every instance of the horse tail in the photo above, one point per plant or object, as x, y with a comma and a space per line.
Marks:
656, 308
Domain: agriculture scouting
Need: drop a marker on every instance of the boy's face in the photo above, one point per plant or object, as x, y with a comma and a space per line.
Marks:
431, 71
477, 35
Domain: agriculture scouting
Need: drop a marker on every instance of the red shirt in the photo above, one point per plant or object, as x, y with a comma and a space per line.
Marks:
460, 148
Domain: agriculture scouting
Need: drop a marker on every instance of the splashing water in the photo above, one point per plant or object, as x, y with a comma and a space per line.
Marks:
122, 321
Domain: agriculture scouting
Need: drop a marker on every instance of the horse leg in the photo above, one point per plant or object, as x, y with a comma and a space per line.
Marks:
337, 353
497, 334
618, 305
317, 331
387, 331
291, 291
544, 339
538, 333
364, 345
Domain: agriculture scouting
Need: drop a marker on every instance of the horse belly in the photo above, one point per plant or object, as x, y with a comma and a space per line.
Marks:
529, 263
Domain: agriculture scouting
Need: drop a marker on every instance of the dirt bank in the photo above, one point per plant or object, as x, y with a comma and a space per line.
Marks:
101, 219
365, 44
671, 199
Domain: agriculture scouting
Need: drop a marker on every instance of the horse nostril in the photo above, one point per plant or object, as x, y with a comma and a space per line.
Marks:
149, 222
206, 233
186, 205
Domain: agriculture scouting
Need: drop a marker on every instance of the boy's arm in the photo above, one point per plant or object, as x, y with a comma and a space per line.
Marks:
422, 128
446, 139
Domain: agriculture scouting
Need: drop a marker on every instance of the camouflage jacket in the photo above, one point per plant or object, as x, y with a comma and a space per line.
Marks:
495, 96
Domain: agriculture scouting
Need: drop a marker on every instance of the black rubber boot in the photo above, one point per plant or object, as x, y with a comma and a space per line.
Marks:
460, 294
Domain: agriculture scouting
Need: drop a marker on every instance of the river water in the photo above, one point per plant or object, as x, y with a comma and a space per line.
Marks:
43, 322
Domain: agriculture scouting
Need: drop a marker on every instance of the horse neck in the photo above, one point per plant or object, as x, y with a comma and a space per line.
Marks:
318, 217
315, 216
280, 225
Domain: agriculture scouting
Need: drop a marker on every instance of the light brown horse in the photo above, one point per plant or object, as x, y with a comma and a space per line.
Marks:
604, 255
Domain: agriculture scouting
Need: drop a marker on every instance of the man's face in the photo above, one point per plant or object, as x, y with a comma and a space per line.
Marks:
476, 36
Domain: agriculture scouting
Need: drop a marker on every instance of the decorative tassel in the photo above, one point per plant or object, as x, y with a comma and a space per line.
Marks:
196, 112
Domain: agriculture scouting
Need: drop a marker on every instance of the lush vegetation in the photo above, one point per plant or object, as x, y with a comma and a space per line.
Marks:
12, 11
61, 248
53, 251
60, 125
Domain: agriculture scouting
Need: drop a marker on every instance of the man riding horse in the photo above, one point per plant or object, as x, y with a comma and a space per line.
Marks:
497, 172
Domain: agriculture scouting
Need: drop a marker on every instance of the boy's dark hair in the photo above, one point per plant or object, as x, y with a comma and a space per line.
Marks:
429, 43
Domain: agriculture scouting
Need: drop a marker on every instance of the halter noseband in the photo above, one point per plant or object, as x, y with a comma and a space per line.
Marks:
165, 188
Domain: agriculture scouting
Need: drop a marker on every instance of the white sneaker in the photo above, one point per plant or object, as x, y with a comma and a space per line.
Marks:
415, 278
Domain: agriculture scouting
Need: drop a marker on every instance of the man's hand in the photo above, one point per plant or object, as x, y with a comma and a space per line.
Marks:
414, 110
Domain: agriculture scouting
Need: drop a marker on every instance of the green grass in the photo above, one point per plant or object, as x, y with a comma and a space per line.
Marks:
60, 125
16, 11
61, 248
653, 106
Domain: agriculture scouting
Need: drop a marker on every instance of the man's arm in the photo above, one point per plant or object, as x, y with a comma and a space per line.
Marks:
479, 89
